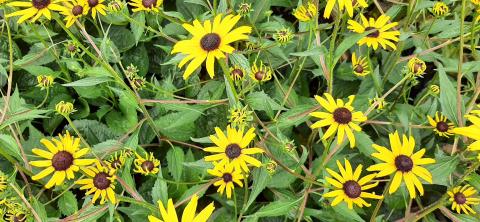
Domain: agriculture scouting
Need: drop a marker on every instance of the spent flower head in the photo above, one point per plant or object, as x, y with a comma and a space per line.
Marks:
45, 81
240, 117
244, 9
283, 36
65, 108
116, 6
416, 66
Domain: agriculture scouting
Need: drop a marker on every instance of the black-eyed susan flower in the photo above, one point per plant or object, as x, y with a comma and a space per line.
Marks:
3, 182
138, 82
244, 9
35, 9
462, 198
63, 159
100, 183
146, 5
440, 9
209, 42
116, 6
416, 66
96, 6
360, 65
441, 125
471, 131
227, 175
340, 117
146, 166
237, 73
435, 89
381, 103
75, 9
44, 81
116, 160
240, 117
71, 48
402, 162
305, 13
380, 34
232, 149
349, 187
283, 36
15, 215
343, 4
271, 166
261, 73
64, 108
168, 214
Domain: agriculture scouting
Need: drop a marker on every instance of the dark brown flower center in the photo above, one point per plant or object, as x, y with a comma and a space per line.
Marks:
40, 4
148, 166
116, 164
101, 181
77, 10
149, 3
92, 3
233, 151
210, 41
71, 47
442, 126
417, 67
358, 68
352, 189
62, 160
227, 177
460, 198
342, 115
374, 34
237, 73
259, 75
403, 163
19, 218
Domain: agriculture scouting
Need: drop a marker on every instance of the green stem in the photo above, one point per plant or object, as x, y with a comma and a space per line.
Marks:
332, 51
380, 202
224, 66
44, 99
149, 206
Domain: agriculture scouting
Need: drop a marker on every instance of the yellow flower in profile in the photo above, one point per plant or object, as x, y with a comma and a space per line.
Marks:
231, 149
209, 42
305, 13
146, 166
440, 9
472, 131
380, 35
347, 4
64, 108
461, 198
116, 160
100, 183
435, 89
169, 215
381, 103
74, 10
416, 66
340, 117
63, 159
227, 175
349, 187
237, 73
261, 73
96, 6
146, 5
405, 164
441, 125
3, 182
360, 65
44, 81
35, 9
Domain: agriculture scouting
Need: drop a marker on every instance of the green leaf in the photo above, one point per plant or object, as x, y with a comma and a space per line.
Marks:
448, 100
342, 210
89, 81
160, 189
277, 208
443, 167
364, 143
138, 27
122, 38
67, 203
347, 44
175, 159
260, 181
9, 145
262, 101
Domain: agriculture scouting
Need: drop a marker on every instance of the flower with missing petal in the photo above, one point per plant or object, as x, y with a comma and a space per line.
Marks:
146, 166
227, 176
116, 161
360, 65
283, 36
169, 215
261, 73
441, 125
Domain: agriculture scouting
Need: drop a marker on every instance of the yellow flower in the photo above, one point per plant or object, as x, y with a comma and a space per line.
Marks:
349, 187
441, 125
64, 108
283, 36
261, 73
461, 198
96, 6
244, 9
472, 131
115, 6
380, 35
231, 149
404, 163
3, 182
169, 215
35, 9
138, 82
74, 10
435, 89
239, 117
360, 65
101, 183
146, 166
116, 160
340, 117
381, 103
15, 215
227, 175
440, 9
237, 73
44, 81
209, 42
347, 4
416, 66
271, 166
146, 5
305, 14
63, 159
